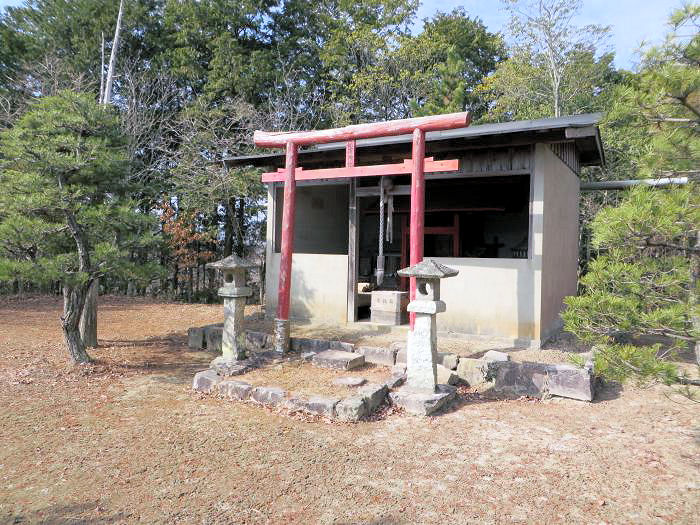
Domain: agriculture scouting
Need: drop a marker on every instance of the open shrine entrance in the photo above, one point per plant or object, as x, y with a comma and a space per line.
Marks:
465, 217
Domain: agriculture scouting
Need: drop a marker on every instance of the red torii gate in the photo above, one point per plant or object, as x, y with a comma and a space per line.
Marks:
417, 167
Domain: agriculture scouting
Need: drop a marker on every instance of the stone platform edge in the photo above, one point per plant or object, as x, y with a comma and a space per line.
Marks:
494, 369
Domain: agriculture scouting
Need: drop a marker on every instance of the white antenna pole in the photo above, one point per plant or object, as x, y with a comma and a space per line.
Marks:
113, 56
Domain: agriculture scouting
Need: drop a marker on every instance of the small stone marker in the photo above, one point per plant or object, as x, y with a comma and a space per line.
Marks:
349, 381
338, 360
234, 291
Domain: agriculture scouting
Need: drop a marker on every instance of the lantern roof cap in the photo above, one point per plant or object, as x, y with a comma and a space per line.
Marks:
231, 263
428, 269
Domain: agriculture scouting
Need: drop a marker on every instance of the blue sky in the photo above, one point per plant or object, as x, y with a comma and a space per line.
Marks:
632, 21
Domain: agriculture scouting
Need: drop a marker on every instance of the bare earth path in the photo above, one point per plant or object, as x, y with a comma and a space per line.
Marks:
127, 441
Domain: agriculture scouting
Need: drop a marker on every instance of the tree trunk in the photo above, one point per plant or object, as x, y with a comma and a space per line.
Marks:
228, 227
240, 215
74, 296
88, 319
695, 294
102, 70
73, 302
175, 283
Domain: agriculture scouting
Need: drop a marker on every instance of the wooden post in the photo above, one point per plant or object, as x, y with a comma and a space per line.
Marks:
350, 159
417, 207
287, 245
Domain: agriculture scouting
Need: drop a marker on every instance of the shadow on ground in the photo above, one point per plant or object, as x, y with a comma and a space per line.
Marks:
83, 513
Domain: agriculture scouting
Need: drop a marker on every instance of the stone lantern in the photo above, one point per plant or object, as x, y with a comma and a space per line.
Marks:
234, 291
422, 395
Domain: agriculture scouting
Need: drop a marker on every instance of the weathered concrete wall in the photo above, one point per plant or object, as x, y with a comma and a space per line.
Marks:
560, 236
491, 297
321, 222
319, 287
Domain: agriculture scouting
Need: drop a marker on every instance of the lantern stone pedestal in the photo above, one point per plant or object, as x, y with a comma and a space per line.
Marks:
422, 395
234, 291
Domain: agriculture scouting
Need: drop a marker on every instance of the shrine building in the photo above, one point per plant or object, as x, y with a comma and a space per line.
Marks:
498, 202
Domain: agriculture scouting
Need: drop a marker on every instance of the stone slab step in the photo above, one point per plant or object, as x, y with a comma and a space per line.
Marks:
338, 360
421, 403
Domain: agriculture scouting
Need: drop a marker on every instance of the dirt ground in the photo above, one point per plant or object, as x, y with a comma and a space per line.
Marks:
126, 440
306, 379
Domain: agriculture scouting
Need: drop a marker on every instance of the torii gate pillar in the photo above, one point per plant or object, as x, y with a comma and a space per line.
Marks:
281, 335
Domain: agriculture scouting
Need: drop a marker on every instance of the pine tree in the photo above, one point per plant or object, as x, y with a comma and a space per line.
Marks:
66, 216
646, 281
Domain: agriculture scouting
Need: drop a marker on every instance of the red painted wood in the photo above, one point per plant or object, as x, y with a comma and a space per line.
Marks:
269, 139
417, 207
377, 170
285, 278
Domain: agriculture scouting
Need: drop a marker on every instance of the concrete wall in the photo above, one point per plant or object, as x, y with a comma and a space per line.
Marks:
319, 287
560, 240
490, 297
321, 224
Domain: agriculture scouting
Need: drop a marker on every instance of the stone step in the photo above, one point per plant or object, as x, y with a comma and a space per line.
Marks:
338, 360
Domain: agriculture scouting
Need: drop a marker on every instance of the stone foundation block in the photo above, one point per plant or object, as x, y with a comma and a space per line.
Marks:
341, 345
423, 404
268, 395
235, 389
322, 406
195, 338
388, 318
303, 344
377, 355
495, 355
520, 379
213, 335
374, 395
351, 409
232, 368
258, 340
572, 382
445, 376
473, 371
205, 381
338, 360
447, 360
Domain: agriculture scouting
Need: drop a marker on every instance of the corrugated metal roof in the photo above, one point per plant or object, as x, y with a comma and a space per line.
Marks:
470, 132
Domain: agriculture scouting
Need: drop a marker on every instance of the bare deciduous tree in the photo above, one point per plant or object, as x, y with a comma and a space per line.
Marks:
546, 28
